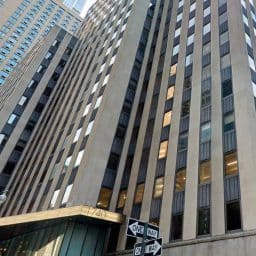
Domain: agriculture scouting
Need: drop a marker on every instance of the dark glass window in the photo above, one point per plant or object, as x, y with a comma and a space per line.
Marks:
233, 216
177, 222
203, 227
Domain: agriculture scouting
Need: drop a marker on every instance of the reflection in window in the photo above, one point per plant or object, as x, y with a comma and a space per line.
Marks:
67, 194
167, 118
229, 122
104, 198
159, 186
54, 198
139, 193
173, 70
163, 149
170, 92
180, 180
122, 199
203, 227
183, 141
205, 172
231, 164
205, 132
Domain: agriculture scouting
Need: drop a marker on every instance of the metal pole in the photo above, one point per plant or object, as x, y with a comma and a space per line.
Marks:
144, 239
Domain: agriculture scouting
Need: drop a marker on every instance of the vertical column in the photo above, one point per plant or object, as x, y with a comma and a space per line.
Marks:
190, 208
217, 189
245, 115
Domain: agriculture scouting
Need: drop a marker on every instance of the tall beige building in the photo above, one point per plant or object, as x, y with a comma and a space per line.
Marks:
24, 22
154, 119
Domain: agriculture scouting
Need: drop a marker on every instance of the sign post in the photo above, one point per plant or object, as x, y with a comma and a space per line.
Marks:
151, 244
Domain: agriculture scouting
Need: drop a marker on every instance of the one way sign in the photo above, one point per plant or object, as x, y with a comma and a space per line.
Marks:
136, 229
152, 248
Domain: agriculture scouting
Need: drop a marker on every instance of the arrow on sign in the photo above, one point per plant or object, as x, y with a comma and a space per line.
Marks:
154, 248
136, 228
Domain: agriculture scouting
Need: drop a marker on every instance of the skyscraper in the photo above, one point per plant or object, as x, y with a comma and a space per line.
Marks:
24, 23
156, 121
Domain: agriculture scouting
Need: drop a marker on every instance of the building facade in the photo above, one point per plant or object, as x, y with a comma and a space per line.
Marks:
24, 23
155, 120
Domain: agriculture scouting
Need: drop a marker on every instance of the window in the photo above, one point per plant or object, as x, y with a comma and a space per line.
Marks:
191, 22
203, 227
189, 60
12, 119
185, 108
54, 198
225, 61
231, 164
205, 172
159, 186
89, 128
86, 110
227, 88
205, 132
251, 63
22, 100
79, 158
175, 50
139, 193
173, 70
229, 122
177, 222
170, 92
122, 199
192, 7
67, 162
104, 198
67, 194
233, 216
94, 88
190, 40
78, 132
177, 32
206, 72
179, 17
2, 137
224, 37
48, 56
206, 98
180, 180
163, 149
98, 102
207, 11
167, 118
206, 28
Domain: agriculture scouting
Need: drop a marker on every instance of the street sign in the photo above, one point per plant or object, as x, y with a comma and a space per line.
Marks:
152, 248
136, 229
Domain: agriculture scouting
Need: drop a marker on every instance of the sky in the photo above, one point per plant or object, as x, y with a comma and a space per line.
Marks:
88, 4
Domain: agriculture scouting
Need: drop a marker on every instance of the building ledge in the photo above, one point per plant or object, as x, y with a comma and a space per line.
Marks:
83, 210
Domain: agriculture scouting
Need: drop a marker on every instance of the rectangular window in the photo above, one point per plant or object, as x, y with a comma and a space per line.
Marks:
67, 194
167, 118
54, 198
170, 93
205, 132
231, 164
180, 180
89, 128
203, 227
205, 172
139, 193
173, 70
163, 149
12, 119
122, 199
229, 122
104, 198
233, 216
159, 187
79, 158
177, 223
